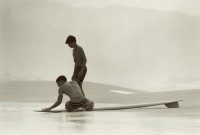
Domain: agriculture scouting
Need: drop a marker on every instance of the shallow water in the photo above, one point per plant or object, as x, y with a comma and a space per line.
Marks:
20, 119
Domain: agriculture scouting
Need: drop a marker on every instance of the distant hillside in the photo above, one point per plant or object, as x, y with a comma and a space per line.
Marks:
99, 93
47, 91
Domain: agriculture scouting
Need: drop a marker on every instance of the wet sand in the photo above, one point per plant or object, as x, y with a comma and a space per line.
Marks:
18, 118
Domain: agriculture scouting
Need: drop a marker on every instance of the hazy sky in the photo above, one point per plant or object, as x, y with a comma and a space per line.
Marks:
184, 6
143, 44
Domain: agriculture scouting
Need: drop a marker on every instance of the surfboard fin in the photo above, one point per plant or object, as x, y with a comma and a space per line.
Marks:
173, 104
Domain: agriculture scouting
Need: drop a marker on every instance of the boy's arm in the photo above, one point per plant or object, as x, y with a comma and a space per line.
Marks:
57, 103
83, 58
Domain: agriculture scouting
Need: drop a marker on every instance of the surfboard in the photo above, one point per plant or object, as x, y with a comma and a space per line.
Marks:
168, 104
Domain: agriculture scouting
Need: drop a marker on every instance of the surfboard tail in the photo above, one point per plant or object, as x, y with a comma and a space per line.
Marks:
173, 104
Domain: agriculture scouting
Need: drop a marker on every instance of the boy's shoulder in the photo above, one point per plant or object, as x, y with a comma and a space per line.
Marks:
79, 47
73, 83
64, 86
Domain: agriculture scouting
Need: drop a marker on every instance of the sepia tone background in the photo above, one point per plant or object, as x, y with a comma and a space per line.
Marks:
150, 45
138, 51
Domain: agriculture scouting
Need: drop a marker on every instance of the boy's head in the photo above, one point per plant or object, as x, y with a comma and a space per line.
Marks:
71, 40
60, 80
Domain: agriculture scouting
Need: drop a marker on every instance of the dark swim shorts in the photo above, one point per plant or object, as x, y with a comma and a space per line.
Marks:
86, 104
75, 74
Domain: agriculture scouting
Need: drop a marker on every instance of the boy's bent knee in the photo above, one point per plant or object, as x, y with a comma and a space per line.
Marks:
68, 107
90, 106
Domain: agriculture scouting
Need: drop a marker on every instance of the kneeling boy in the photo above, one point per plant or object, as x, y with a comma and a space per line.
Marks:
72, 89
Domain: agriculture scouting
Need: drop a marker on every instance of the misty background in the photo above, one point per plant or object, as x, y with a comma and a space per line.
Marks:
148, 47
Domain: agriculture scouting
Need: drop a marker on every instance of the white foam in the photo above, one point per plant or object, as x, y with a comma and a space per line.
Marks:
121, 92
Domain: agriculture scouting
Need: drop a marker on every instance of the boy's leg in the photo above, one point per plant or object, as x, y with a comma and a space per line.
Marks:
69, 107
75, 74
88, 106
81, 80
80, 84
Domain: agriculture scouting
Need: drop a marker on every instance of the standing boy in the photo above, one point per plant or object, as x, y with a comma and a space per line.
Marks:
80, 60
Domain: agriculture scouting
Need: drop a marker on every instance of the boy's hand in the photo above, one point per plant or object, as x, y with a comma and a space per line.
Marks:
46, 109
80, 74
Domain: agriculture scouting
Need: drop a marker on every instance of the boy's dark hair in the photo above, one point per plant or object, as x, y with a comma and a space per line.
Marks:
70, 39
61, 78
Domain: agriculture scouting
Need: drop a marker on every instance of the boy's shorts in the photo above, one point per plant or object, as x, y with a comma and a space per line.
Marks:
75, 74
86, 104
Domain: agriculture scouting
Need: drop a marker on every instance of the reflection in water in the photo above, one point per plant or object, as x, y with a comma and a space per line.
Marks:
70, 121
79, 120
